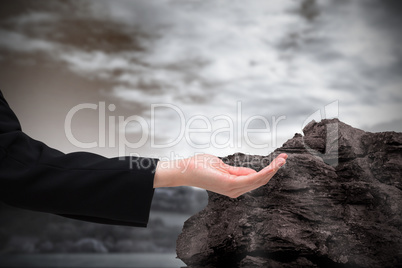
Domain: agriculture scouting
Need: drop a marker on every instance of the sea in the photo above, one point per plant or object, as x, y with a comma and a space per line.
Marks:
135, 260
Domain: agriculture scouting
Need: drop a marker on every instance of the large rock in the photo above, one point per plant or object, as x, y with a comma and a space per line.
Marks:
336, 203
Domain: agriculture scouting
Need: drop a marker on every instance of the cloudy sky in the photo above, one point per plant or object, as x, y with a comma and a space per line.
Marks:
226, 61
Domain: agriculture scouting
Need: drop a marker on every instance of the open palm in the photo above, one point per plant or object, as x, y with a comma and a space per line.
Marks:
211, 173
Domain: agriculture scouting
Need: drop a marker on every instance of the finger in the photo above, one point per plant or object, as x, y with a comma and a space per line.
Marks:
277, 163
259, 179
283, 155
262, 176
256, 182
239, 171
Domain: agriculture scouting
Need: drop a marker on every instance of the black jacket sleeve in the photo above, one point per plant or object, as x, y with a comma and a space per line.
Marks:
80, 185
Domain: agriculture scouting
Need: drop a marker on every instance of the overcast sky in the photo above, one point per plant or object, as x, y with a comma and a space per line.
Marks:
272, 58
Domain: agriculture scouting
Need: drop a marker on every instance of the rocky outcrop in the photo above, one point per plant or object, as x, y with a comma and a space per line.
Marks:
336, 203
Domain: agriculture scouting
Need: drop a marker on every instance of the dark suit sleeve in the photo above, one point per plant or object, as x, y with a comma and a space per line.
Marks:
80, 185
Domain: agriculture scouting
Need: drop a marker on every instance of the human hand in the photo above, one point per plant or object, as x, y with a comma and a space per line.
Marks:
211, 173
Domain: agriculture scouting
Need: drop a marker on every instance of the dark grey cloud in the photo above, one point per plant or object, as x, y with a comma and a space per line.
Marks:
284, 58
309, 9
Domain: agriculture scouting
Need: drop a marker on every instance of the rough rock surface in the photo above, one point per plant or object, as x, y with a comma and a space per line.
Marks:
336, 203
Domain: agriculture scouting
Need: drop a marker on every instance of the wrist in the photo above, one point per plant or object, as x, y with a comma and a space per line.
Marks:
168, 174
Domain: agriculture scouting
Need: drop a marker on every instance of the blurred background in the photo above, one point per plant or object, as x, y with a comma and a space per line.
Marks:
277, 59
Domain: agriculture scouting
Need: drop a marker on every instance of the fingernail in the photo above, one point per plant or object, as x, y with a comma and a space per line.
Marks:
283, 155
281, 163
